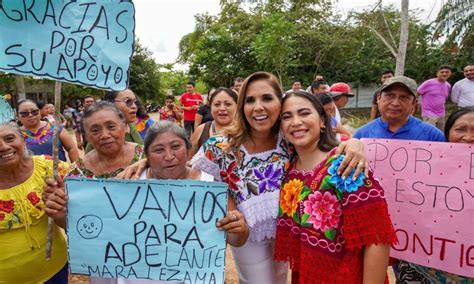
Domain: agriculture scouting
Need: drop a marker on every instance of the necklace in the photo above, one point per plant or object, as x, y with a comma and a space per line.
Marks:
100, 165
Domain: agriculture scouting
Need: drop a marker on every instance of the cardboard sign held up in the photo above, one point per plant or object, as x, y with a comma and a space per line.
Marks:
88, 43
429, 188
151, 229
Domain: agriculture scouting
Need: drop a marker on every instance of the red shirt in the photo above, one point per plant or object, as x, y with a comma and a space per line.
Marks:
188, 100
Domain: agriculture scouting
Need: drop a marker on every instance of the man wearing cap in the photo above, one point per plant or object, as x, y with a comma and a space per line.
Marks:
374, 110
396, 101
340, 93
463, 90
433, 94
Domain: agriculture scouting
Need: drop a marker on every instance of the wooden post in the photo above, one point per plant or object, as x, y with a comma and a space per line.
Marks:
57, 124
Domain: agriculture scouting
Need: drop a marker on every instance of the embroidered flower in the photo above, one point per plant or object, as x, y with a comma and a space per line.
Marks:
324, 210
289, 196
268, 179
7, 206
33, 198
275, 158
209, 155
348, 184
230, 177
2, 216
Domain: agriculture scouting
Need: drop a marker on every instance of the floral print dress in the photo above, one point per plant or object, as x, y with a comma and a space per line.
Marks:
78, 169
23, 229
254, 180
325, 222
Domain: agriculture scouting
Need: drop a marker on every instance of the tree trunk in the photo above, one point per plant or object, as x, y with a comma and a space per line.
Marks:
402, 48
20, 87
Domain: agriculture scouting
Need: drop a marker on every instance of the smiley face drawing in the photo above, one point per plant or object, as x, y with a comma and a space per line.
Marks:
89, 226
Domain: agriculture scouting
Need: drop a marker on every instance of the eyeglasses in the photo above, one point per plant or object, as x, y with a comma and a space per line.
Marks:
128, 102
33, 112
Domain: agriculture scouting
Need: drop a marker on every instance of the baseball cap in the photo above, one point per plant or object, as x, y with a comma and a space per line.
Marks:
404, 81
339, 89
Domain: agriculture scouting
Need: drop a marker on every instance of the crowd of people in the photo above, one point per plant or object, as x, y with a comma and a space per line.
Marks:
288, 161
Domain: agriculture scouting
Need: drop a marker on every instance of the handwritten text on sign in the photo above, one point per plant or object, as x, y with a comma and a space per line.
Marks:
161, 230
430, 190
84, 42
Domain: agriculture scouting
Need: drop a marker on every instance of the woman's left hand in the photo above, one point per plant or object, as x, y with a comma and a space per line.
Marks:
234, 223
354, 158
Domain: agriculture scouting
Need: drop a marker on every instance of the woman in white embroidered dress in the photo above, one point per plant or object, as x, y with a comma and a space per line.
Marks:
251, 159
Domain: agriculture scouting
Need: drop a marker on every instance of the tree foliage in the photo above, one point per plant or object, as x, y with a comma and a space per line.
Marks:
297, 38
144, 74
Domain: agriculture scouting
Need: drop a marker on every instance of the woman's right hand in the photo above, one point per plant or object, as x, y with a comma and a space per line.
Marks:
55, 200
134, 170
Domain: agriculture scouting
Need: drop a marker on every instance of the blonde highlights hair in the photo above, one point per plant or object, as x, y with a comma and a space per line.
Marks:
240, 129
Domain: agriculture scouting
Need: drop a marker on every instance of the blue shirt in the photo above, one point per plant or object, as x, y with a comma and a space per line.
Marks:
413, 129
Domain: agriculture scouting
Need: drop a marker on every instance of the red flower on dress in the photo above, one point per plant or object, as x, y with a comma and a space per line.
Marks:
230, 177
324, 210
209, 155
2, 216
33, 198
7, 206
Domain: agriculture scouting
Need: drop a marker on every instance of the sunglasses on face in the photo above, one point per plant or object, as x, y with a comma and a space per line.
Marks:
33, 112
128, 102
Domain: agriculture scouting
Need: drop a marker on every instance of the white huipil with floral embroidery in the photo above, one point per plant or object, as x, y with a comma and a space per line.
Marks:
254, 180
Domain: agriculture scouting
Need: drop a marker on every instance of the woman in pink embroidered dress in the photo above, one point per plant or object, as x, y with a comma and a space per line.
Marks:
330, 229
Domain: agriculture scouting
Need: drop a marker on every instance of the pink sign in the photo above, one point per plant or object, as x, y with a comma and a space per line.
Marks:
429, 188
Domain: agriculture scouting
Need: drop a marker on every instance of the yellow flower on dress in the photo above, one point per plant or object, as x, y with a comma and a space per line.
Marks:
289, 196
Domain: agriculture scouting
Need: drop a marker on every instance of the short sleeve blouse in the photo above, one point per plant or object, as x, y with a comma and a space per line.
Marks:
254, 180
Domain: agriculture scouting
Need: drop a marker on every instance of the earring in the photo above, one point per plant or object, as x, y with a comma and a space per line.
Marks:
322, 130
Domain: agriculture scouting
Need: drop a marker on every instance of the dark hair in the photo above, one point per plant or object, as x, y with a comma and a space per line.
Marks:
387, 71
240, 130
98, 106
86, 97
327, 140
110, 96
191, 83
228, 91
161, 127
20, 102
325, 98
238, 79
455, 116
169, 97
41, 104
317, 84
445, 66
141, 111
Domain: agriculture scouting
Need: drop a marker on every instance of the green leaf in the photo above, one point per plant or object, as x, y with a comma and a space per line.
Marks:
339, 194
308, 225
280, 212
304, 218
330, 234
325, 183
329, 160
305, 192
296, 218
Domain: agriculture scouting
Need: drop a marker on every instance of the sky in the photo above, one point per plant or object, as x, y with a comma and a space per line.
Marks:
160, 24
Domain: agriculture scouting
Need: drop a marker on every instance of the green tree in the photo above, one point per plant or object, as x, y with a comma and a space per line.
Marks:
144, 74
455, 23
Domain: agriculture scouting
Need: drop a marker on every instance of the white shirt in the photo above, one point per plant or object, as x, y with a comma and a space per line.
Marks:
463, 93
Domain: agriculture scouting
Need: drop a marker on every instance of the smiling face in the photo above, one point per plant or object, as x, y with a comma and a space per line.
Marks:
126, 103
223, 108
167, 156
105, 131
462, 130
301, 123
89, 226
261, 107
12, 146
29, 115
443, 74
469, 72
